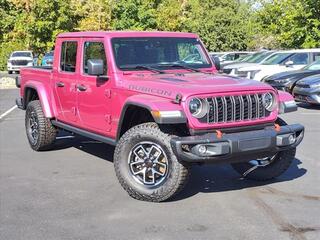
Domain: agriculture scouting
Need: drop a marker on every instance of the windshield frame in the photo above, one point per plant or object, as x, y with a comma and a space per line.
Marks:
165, 66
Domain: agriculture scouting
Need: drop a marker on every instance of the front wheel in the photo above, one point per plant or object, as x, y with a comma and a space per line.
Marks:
145, 165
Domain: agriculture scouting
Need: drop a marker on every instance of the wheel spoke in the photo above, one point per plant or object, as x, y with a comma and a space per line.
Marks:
160, 164
154, 171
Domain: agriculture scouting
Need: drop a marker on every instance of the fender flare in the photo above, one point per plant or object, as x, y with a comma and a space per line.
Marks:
43, 98
286, 103
139, 101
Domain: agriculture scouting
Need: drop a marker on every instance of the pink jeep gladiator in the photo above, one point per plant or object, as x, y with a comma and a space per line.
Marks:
157, 98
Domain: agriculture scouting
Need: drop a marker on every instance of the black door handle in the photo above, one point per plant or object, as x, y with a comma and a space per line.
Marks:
60, 84
81, 88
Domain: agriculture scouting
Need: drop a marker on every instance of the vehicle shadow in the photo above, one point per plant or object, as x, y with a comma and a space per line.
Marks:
309, 106
67, 140
203, 179
222, 178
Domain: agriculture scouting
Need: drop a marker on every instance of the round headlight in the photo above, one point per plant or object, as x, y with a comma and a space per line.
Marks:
268, 101
198, 108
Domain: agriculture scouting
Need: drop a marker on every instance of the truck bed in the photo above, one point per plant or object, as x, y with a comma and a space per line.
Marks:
34, 76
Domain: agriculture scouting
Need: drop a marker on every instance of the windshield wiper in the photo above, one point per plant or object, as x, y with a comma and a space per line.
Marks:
148, 68
179, 66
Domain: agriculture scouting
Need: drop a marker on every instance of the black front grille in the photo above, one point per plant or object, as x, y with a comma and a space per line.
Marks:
227, 109
19, 62
227, 71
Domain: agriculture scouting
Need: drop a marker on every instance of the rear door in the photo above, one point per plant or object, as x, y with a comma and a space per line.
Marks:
65, 80
95, 95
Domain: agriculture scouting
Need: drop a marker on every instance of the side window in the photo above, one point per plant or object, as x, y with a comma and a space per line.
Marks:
94, 50
229, 57
68, 56
316, 56
300, 58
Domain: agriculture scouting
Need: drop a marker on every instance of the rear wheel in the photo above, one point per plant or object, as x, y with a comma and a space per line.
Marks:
267, 168
40, 132
145, 165
9, 72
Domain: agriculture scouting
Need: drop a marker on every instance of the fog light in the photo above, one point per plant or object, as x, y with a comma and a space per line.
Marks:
286, 139
202, 149
292, 139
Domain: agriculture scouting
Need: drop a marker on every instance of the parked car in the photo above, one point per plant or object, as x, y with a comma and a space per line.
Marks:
250, 60
281, 61
286, 80
35, 60
229, 57
18, 60
47, 59
307, 90
162, 114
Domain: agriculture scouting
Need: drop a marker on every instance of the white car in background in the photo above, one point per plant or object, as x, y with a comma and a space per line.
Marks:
228, 57
249, 60
19, 59
281, 61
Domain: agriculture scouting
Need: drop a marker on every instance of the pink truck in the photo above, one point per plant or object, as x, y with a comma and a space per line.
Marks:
157, 98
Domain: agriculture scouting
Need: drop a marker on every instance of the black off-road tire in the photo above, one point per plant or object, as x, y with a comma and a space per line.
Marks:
280, 163
46, 131
176, 177
9, 72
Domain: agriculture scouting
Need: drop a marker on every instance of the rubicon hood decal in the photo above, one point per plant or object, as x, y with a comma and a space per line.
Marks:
150, 90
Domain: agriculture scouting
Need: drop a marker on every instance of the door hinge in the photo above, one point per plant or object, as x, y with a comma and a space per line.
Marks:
107, 92
108, 118
74, 110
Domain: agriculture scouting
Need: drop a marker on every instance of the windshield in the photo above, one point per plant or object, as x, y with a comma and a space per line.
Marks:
257, 57
158, 52
21, 54
276, 58
49, 54
313, 66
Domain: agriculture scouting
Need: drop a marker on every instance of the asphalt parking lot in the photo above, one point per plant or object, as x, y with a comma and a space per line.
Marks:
72, 193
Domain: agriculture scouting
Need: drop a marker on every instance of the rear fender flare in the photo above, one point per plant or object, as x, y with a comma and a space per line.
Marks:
44, 98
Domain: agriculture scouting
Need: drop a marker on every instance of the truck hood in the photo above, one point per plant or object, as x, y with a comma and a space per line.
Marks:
187, 84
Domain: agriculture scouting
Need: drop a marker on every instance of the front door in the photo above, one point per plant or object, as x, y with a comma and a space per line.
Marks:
94, 94
65, 81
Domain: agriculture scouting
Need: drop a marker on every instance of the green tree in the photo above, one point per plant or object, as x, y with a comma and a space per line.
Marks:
294, 23
134, 14
95, 15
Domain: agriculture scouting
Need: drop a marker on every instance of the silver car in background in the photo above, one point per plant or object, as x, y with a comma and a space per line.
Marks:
307, 90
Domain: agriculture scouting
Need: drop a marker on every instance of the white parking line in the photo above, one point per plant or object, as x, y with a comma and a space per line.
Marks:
7, 112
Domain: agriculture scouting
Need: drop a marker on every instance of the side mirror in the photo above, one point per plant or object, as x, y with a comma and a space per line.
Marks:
217, 63
95, 67
288, 63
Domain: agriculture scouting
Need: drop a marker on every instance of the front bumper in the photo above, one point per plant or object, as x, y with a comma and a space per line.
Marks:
237, 147
17, 67
307, 95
